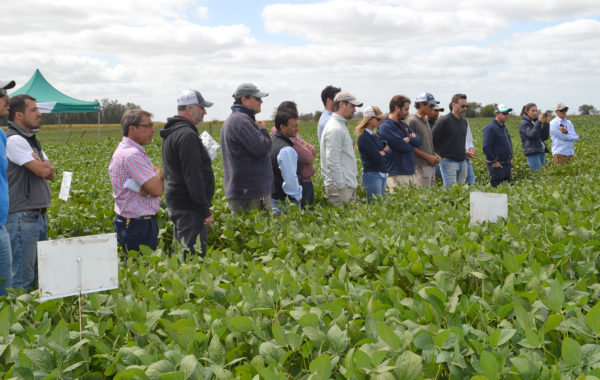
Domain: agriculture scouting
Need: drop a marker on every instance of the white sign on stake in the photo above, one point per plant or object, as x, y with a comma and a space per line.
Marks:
65, 186
86, 264
487, 207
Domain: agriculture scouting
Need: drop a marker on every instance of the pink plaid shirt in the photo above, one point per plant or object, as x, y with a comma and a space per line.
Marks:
130, 161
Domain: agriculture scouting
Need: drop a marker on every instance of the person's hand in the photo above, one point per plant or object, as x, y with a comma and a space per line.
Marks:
562, 129
261, 125
386, 149
35, 156
208, 221
406, 139
382, 152
471, 153
545, 117
438, 158
432, 159
497, 165
143, 192
159, 172
413, 135
511, 161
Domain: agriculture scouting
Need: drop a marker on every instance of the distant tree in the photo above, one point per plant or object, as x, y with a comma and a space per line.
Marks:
489, 110
112, 110
317, 115
306, 116
587, 109
473, 110
358, 115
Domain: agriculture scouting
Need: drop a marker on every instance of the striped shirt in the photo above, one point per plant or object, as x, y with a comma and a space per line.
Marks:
130, 161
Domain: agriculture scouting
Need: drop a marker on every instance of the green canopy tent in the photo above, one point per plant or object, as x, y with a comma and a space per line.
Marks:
50, 100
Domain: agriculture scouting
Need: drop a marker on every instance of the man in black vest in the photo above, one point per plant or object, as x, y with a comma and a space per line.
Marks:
287, 171
29, 193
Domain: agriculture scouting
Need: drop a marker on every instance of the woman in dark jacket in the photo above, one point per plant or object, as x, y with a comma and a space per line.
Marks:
373, 152
534, 132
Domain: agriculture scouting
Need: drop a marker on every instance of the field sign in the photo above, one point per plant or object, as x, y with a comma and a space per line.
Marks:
65, 186
487, 207
68, 267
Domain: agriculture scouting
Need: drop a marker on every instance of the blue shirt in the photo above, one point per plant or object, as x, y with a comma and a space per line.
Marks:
563, 143
287, 159
322, 122
3, 181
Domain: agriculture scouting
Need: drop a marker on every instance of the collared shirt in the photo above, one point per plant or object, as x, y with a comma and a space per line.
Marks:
287, 159
338, 162
131, 162
325, 116
563, 143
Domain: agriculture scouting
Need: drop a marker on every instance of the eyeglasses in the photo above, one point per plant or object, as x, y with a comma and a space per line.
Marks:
149, 125
464, 106
563, 110
504, 113
3, 92
257, 98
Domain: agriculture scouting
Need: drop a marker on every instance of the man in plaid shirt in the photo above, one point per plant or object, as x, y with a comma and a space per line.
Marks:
137, 184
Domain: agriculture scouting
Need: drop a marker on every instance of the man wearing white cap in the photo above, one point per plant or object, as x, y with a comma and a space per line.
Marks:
425, 156
563, 136
5, 251
190, 181
497, 146
338, 162
246, 149
137, 184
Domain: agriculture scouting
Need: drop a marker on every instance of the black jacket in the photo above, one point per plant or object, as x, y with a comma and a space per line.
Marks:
190, 181
533, 135
497, 144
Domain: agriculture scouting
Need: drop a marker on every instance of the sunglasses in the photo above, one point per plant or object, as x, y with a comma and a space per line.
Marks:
149, 125
464, 106
3, 92
504, 113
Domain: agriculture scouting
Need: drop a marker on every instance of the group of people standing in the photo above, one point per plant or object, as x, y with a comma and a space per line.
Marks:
265, 171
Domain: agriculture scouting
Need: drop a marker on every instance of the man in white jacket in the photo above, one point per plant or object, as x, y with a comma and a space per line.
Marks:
338, 162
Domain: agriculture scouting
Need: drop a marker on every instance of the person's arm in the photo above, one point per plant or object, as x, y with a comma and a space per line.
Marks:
530, 130
255, 140
557, 134
20, 153
430, 158
333, 152
40, 168
155, 186
394, 140
367, 146
415, 141
488, 146
287, 160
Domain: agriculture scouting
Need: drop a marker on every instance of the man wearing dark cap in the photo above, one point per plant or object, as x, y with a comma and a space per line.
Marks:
338, 162
190, 181
563, 136
497, 146
5, 251
246, 149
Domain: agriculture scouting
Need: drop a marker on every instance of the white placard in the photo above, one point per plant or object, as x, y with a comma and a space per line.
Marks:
65, 186
64, 265
487, 207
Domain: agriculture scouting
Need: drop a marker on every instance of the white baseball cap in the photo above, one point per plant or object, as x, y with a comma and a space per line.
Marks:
189, 97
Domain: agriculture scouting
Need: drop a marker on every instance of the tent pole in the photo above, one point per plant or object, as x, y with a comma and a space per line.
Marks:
98, 125
59, 128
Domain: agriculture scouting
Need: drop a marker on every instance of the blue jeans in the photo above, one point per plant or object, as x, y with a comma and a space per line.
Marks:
189, 226
374, 184
26, 228
139, 232
5, 261
308, 194
470, 173
278, 206
453, 171
536, 161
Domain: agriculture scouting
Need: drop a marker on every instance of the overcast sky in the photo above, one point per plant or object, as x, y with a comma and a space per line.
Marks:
148, 51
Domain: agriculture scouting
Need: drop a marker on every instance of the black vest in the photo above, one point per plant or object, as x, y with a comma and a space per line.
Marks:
26, 190
278, 142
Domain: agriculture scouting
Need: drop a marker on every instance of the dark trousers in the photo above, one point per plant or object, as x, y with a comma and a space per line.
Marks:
137, 232
308, 194
498, 175
189, 225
